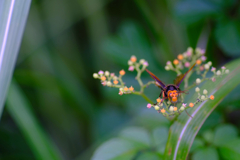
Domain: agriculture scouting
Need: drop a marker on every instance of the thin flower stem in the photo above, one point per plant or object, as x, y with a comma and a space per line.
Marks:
194, 84
144, 96
139, 72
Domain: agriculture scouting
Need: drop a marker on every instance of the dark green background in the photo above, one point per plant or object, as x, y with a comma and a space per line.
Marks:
65, 42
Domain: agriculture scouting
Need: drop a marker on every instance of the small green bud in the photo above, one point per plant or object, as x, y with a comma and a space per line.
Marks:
197, 89
198, 80
156, 107
161, 104
109, 83
171, 109
107, 73
130, 63
167, 68
168, 102
182, 108
142, 61
218, 73
95, 75
202, 97
205, 91
207, 66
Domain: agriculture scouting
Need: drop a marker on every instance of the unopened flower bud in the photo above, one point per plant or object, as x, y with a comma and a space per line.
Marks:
209, 63
156, 107
227, 71
202, 97
145, 63
142, 61
213, 69
197, 89
171, 109
107, 73
205, 91
130, 63
218, 73
100, 72
149, 105
206, 66
167, 68
109, 83
95, 75
182, 108
198, 80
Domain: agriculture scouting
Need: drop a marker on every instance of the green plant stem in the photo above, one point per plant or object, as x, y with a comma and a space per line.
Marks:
193, 85
144, 96
139, 72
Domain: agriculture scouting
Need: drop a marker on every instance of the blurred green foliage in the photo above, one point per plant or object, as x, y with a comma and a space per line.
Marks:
66, 41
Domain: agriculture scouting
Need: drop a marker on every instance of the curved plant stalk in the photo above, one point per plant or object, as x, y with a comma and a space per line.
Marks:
184, 130
13, 16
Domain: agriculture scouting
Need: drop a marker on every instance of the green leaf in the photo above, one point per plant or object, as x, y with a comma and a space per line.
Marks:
224, 134
130, 40
191, 11
208, 136
206, 154
227, 35
19, 109
117, 149
137, 135
185, 128
231, 150
197, 143
149, 156
213, 120
13, 16
160, 136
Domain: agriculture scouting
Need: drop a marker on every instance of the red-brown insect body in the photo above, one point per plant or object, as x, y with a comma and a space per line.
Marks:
171, 91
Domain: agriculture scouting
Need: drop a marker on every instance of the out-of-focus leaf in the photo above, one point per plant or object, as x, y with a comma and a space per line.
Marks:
151, 119
191, 11
206, 154
231, 150
137, 135
19, 109
160, 136
197, 143
224, 134
208, 136
13, 15
116, 149
149, 156
185, 128
227, 35
130, 40
213, 120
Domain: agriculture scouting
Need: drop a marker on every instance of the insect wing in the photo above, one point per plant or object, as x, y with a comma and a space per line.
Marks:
156, 78
181, 77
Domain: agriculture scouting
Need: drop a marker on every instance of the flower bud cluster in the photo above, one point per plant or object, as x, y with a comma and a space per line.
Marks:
204, 96
187, 59
111, 80
134, 65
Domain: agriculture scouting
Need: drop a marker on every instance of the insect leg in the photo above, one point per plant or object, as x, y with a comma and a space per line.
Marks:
159, 97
